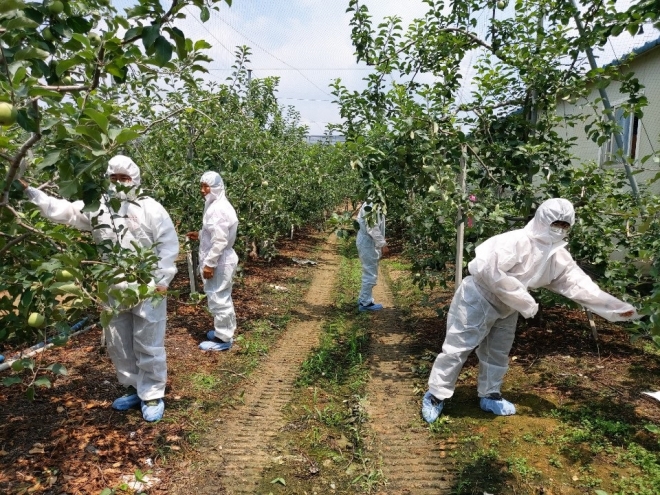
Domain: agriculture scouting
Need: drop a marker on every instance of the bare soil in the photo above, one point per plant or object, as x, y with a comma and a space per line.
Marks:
237, 450
69, 440
411, 464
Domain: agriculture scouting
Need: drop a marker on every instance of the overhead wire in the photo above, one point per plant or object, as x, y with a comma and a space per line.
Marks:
274, 56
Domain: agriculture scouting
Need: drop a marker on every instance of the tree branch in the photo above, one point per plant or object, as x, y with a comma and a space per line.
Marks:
473, 108
67, 89
14, 241
474, 153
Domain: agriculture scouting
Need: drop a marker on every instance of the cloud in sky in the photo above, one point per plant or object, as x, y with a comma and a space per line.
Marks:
307, 44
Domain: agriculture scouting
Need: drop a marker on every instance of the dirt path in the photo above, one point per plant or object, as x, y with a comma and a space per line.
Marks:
238, 451
411, 462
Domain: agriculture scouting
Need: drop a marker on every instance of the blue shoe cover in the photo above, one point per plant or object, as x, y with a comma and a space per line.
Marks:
216, 345
431, 407
152, 410
210, 335
127, 401
370, 307
497, 405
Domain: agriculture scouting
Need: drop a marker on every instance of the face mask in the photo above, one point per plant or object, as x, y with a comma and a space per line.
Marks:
122, 195
558, 233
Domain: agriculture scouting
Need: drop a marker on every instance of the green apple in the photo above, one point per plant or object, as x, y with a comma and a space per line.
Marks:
8, 113
56, 7
501, 5
47, 34
36, 320
64, 276
94, 39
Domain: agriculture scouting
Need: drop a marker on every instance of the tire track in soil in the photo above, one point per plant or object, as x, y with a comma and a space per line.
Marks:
411, 461
236, 456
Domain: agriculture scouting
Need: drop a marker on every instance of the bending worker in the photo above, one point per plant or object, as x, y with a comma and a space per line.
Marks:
135, 336
371, 246
217, 260
485, 308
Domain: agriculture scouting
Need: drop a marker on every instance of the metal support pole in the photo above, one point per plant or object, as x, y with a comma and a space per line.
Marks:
606, 104
191, 269
460, 227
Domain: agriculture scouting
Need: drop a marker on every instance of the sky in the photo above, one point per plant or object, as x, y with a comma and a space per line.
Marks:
307, 44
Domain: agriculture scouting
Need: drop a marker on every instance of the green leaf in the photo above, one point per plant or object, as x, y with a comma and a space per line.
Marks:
9, 5
600, 492
279, 480
50, 159
11, 380
163, 51
131, 33
201, 44
30, 393
58, 369
100, 119
150, 34
107, 491
42, 381
65, 65
106, 316
79, 24
20, 22
126, 135
228, 2
26, 122
204, 15
31, 53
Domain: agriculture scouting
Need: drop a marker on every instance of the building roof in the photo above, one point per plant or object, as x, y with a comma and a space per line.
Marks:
646, 47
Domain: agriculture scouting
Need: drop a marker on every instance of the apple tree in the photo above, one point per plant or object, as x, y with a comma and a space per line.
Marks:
70, 70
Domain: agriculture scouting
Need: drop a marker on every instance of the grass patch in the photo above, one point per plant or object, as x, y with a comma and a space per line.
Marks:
326, 415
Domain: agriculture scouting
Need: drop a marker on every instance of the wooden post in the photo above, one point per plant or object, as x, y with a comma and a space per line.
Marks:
460, 227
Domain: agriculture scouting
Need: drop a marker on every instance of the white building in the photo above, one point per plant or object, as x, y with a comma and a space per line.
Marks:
641, 136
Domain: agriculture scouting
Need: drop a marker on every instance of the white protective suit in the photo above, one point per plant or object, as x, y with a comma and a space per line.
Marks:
216, 250
370, 242
135, 337
484, 310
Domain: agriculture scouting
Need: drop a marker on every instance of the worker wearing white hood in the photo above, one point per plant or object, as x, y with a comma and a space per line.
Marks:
485, 308
217, 260
371, 246
135, 336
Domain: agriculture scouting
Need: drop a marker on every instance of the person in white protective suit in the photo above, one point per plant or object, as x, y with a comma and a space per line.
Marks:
371, 246
217, 260
485, 308
135, 336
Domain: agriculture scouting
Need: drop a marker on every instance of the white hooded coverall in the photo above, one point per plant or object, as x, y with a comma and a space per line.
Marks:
484, 310
135, 337
370, 242
216, 250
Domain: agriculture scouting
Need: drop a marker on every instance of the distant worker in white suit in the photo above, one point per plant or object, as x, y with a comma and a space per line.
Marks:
371, 246
217, 260
135, 336
485, 308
